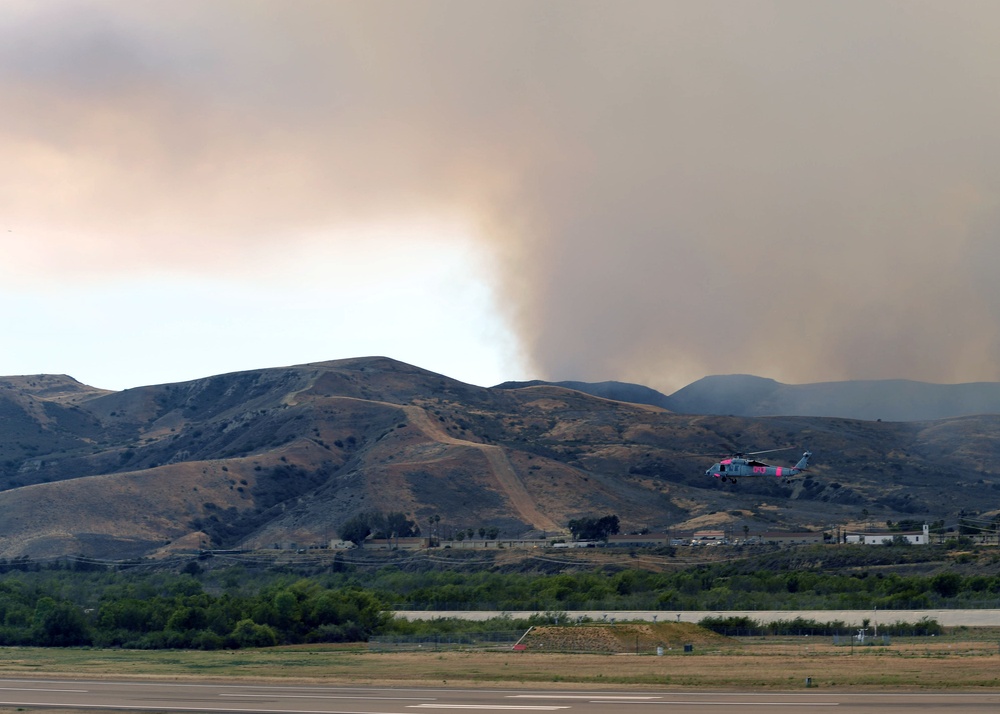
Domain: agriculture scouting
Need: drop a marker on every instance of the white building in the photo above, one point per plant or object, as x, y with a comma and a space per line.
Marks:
882, 537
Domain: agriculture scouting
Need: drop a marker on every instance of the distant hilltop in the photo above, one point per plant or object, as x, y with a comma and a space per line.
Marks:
748, 396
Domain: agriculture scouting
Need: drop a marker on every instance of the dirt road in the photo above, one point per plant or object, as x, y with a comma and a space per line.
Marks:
500, 465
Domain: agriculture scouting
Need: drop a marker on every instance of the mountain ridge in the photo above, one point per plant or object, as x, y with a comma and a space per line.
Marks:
276, 456
750, 396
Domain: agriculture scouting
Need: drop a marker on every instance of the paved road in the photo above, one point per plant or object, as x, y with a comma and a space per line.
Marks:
291, 699
945, 618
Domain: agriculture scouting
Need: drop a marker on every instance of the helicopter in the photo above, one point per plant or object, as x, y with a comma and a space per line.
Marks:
739, 465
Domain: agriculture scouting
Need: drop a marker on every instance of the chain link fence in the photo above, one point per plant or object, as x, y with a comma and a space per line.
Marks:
450, 641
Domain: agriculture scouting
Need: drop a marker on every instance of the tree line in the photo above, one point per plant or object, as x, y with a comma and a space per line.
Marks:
594, 528
178, 613
376, 524
235, 607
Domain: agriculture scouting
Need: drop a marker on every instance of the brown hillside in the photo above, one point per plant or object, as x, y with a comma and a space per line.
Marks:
287, 455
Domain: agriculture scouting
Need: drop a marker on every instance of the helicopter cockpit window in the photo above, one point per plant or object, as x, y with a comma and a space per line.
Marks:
722, 467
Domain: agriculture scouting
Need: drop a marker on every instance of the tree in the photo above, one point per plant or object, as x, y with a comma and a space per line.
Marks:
345, 616
947, 584
285, 609
248, 633
60, 624
374, 523
355, 529
132, 614
594, 528
397, 525
186, 618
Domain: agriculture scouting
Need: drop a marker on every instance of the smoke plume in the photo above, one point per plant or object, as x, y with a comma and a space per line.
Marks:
664, 190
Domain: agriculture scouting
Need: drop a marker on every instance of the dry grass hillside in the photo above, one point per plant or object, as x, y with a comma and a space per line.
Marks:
287, 455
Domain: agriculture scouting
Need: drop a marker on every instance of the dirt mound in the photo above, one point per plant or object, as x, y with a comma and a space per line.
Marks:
639, 637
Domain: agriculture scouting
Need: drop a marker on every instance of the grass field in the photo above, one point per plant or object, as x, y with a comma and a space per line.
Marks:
968, 660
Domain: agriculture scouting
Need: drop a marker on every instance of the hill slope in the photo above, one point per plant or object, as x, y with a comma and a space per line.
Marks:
287, 455
888, 399
745, 395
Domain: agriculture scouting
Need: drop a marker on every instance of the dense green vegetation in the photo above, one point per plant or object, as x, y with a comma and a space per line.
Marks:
66, 604
594, 528
742, 626
393, 525
173, 611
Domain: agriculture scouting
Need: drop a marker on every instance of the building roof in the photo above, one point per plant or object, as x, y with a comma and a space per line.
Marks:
884, 534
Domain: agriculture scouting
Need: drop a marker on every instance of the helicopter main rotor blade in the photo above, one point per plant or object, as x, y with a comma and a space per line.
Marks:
768, 451
729, 452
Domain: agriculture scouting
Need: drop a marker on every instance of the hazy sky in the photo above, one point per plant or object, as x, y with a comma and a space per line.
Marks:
643, 191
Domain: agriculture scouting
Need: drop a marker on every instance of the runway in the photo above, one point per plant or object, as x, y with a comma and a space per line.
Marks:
301, 699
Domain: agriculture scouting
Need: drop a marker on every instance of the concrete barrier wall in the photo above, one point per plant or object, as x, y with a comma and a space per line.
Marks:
945, 618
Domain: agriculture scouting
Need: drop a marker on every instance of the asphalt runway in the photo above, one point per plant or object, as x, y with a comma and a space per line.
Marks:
301, 699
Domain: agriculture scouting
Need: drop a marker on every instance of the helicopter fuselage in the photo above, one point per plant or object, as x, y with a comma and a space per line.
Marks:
740, 467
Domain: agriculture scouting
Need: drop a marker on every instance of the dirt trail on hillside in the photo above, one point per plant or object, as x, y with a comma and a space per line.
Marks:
502, 469
505, 474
